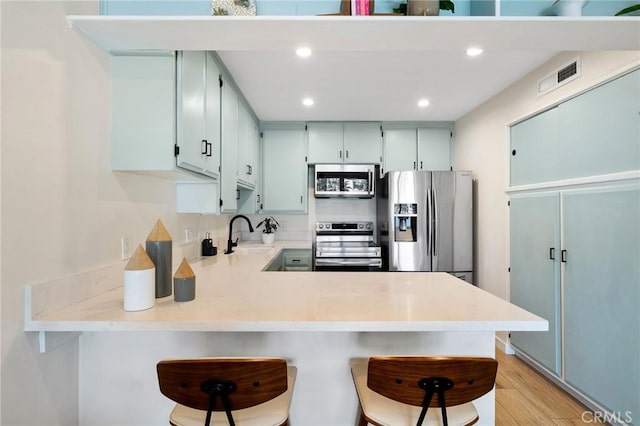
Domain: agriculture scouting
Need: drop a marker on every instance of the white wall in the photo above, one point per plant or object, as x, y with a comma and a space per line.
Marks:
481, 145
63, 210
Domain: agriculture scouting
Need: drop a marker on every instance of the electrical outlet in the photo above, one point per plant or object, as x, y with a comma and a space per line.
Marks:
188, 235
125, 252
283, 225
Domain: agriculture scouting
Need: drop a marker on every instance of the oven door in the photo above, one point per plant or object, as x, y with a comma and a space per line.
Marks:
348, 264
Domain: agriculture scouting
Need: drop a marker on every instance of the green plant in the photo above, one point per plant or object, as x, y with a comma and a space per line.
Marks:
629, 9
269, 224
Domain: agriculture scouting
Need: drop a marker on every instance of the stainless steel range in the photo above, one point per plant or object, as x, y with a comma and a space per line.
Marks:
346, 246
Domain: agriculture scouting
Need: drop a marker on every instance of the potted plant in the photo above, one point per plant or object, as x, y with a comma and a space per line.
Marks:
631, 10
270, 225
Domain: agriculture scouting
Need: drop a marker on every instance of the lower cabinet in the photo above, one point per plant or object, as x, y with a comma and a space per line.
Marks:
284, 170
575, 260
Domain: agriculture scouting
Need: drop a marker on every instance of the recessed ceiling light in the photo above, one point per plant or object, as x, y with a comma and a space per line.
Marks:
474, 51
307, 102
422, 103
303, 52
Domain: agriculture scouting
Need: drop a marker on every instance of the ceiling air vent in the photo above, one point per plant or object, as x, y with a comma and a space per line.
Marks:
559, 77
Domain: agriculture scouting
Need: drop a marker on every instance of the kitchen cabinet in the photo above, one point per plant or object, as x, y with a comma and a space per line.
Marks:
574, 261
198, 108
229, 148
248, 148
284, 169
417, 148
535, 273
349, 143
601, 233
595, 133
146, 117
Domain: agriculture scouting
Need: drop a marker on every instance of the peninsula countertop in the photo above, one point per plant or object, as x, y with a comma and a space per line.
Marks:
233, 293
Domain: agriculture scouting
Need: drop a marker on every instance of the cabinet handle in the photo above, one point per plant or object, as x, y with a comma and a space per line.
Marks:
209, 149
204, 144
552, 253
301, 199
340, 154
563, 256
415, 166
249, 170
237, 194
420, 164
347, 153
258, 197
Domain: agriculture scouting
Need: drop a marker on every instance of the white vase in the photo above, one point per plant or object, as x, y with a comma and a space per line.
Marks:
568, 7
268, 238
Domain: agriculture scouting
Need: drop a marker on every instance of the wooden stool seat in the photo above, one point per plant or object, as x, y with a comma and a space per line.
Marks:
260, 390
390, 394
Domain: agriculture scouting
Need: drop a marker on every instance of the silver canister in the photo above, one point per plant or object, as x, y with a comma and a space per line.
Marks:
159, 249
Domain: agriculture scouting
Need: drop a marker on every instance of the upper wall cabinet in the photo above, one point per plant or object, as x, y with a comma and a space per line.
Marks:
593, 134
229, 151
337, 142
198, 113
417, 148
146, 116
248, 148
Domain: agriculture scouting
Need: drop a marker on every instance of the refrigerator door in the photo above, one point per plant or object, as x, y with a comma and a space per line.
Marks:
452, 239
408, 221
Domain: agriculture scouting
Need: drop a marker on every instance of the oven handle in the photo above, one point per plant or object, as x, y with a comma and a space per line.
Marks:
349, 262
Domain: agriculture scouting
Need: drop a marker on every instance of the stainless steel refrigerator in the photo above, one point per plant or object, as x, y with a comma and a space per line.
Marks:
425, 221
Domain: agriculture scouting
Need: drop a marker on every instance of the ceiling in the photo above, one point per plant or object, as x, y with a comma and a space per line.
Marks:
367, 68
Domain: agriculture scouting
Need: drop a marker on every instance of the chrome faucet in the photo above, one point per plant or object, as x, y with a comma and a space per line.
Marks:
230, 243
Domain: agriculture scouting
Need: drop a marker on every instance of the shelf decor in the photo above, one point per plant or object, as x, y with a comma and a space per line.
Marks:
184, 282
233, 7
139, 282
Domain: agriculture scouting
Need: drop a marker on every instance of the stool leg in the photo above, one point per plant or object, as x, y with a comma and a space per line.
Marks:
362, 421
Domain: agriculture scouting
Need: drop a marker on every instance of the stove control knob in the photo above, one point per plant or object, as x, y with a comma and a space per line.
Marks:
368, 226
327, 225
321, 225
361, 225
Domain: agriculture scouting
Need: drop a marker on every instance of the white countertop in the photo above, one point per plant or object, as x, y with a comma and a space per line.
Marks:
234, 294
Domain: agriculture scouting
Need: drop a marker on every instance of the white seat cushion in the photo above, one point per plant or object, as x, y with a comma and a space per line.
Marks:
270, 413
388, 412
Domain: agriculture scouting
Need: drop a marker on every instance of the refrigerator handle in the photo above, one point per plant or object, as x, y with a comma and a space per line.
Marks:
435, 222
429, 224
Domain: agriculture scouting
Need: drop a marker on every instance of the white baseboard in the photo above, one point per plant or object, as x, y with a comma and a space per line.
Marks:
504, 346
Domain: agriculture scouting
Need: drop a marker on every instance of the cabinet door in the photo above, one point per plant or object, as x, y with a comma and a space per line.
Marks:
229, 161
600, 130
325, 143
535, 273
434, 149
191, 110
362, 143
212, 123
534, 149
400, 149
284, 170
245, 144
601, 233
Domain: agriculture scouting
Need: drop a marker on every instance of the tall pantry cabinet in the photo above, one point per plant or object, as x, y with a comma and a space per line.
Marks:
575, 244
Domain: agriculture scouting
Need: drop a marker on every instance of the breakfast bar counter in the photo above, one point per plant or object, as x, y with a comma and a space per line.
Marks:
317, 320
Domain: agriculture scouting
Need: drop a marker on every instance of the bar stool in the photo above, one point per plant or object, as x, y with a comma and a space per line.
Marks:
247, 391
398, 390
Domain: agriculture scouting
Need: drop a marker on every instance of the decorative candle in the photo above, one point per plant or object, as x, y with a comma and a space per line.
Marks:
159, 249
184, 282
139, 282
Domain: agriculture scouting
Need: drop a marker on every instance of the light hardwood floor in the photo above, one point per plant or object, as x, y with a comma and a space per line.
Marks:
524, 397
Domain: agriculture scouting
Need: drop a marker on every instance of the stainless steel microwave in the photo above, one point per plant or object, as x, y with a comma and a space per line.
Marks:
344, 180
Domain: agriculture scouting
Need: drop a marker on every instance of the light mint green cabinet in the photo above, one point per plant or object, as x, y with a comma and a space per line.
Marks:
400, 150
535, 273
601, 235
599, 131
284, 174
349, 142
595, 133
434, 149
248, 148
198, 109
229, 177
534, 149
417, 148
